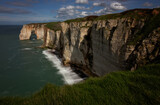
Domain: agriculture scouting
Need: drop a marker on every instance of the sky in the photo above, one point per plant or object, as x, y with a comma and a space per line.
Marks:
18, 12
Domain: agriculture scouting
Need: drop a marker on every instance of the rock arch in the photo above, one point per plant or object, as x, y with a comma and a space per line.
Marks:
33, 35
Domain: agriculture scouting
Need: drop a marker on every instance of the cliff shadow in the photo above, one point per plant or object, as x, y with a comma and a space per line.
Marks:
81, 55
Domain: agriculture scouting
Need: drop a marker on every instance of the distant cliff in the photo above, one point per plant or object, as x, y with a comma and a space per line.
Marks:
106, 43
27, 29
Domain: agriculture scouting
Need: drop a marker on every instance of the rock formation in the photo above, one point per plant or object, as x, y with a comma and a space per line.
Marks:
27, 30
101, 46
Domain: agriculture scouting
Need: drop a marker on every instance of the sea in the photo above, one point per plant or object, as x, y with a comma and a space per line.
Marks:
25, 68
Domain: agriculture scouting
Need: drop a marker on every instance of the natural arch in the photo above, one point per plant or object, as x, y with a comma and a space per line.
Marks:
33, 35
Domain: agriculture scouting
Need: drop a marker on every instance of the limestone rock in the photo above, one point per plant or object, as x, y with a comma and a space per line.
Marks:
27, 29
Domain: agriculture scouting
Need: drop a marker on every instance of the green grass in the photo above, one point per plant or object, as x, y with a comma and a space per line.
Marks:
87, 18
36, 23
109, 16
54, 26
95, 18
141, 87
75, 20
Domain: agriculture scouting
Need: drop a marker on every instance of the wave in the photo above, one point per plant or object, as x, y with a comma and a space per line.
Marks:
27, 49
69, 76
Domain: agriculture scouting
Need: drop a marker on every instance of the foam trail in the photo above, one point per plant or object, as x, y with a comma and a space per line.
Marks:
69, 76
27, 49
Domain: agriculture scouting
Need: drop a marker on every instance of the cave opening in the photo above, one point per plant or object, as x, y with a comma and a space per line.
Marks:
33, 35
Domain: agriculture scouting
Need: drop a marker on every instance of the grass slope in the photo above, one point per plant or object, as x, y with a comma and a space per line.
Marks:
54, 26
141, 87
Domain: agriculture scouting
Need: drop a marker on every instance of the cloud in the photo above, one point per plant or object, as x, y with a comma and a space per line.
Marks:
99, 4
84, 13
117, 6
74, 7
148, 4
67, 12
17, 3
7, 10
103, 11
82, 1
72, 12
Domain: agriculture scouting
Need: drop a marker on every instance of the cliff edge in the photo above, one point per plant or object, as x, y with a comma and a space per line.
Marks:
106, 43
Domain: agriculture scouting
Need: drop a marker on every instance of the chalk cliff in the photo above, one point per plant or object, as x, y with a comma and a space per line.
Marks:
27, 29
102, 46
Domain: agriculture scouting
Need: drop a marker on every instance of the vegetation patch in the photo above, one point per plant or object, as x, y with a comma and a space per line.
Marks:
87, 18
36, 23
54, 26
141, 87
109, 16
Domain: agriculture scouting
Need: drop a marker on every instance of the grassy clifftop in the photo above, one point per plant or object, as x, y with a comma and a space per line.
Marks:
54, 26
135, 13
141, 87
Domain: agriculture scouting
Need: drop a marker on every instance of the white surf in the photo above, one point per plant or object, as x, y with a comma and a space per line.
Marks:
27, 49
69, 76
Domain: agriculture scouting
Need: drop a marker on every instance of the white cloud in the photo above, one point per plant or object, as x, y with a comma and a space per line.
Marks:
82, 1
148, 4
103, 11
74, 7
72, 12
117, 6
82, 8
84, 13
99, 4
109, 9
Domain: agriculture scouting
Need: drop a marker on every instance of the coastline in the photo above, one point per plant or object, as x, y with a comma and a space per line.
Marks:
71, 75
79, 69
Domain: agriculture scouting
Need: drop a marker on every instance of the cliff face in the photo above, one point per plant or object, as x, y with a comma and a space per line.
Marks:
101, 46
97, 45
147, 51
27, 29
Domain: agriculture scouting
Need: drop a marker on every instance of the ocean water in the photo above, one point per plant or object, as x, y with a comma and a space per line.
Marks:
25, 69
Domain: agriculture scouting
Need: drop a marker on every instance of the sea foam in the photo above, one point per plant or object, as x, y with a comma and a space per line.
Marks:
27, 49
69, 76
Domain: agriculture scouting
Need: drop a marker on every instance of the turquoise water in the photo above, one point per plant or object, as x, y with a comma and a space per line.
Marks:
24, 68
